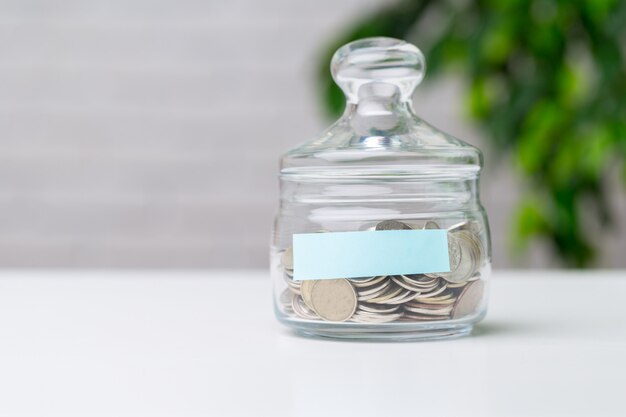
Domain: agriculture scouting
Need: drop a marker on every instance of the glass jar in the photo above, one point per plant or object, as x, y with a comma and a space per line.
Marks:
380, 232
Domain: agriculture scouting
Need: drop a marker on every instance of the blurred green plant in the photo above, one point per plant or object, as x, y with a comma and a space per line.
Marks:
547, 81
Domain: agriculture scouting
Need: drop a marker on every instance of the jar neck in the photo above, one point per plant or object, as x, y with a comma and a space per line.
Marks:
379, 110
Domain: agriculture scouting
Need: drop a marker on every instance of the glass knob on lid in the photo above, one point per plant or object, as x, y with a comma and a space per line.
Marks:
378, 77
378, 67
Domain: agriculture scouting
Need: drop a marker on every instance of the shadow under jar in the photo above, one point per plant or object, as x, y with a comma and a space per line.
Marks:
380, 233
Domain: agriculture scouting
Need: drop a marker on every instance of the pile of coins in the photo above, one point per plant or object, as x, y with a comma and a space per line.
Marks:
395, 298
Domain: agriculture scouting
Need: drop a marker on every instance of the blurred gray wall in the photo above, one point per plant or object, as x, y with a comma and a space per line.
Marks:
147, 133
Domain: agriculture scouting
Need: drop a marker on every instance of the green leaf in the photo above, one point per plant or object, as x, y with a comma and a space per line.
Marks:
547, 82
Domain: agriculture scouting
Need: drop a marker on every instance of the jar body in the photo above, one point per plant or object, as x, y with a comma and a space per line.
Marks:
398, 242
402, 307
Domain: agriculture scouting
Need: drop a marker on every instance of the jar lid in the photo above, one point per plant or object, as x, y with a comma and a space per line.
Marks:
379, 133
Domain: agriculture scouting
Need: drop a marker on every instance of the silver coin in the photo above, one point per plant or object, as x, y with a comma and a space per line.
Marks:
464, 225
479, 249
458, 284
465, 250
334, 299
431, 225
402, 298
391, 293
446, 295
294, 287
392, 225
444, 311
432, 293
413, 317
447, 299
370, 292
420, 280
360, 317
463, 262
366, 282
416, 309
305, 290
427, 302
399, 281
446, 302
419, 286
301, 309
377, 308
469, 300
428, 289
471, 226
287, 258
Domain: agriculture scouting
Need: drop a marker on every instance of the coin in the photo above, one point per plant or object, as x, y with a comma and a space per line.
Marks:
413, 317
464, 225
366, 282
377, 308
443, 311
469, 299
362, 317
433, 293
465, 250
463, 262
478, 248
287, 258
334, 299
392, 225
389, 294
458, 284
421, 284
293, 286
431, 225
402, 298
419, 279
437, 301
471, 226
306, 287
405, 285
301, 309
376, 313
374, 291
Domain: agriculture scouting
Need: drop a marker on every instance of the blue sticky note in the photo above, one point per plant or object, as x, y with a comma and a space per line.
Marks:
369, 253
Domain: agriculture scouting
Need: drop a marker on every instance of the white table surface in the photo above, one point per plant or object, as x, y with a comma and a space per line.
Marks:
205, 343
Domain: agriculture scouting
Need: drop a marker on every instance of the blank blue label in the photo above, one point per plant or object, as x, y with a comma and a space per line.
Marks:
370, 253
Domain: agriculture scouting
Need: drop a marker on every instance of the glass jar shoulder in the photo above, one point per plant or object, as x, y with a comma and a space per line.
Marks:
421, 151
